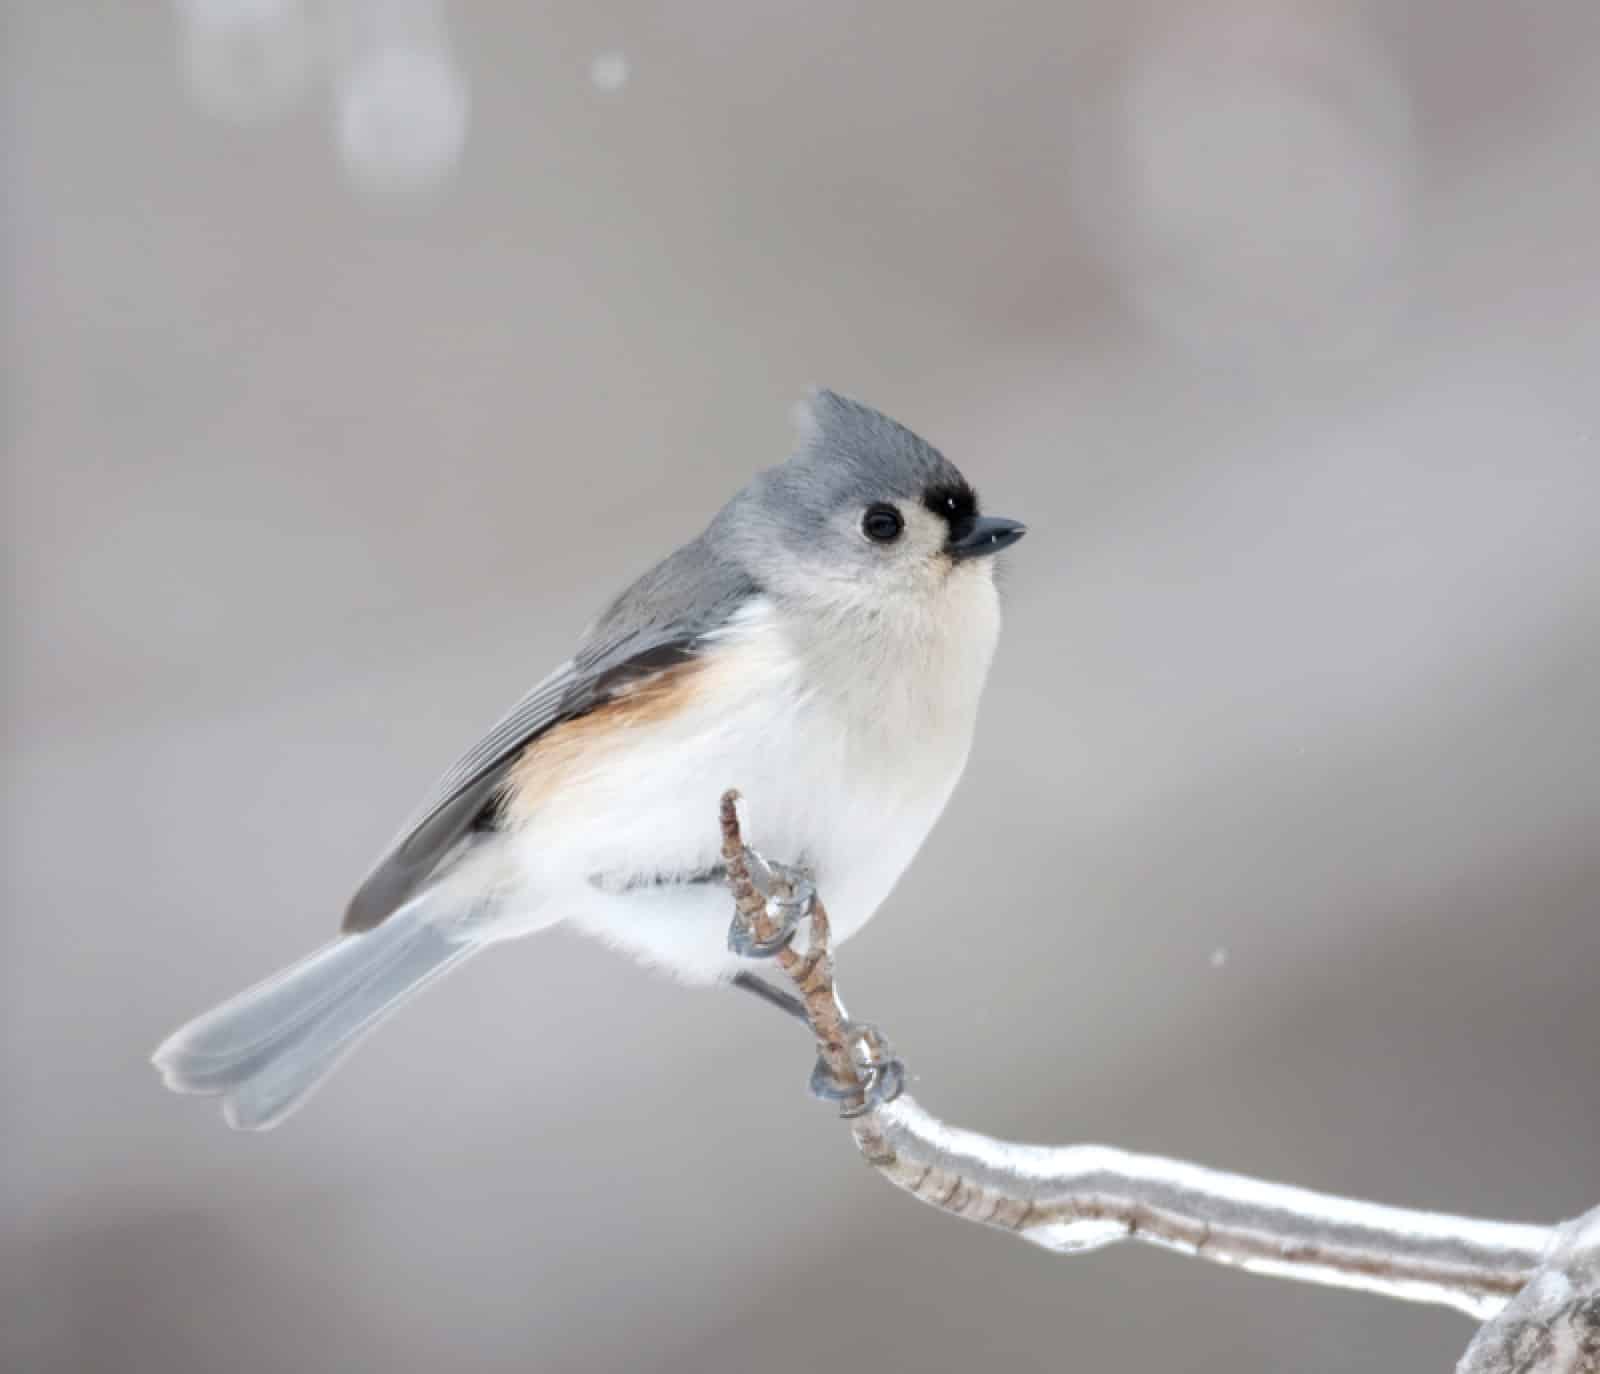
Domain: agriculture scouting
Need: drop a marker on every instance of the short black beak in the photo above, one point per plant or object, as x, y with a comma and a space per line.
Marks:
982, 535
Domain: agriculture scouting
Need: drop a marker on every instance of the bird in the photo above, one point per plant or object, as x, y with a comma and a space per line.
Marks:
822, 645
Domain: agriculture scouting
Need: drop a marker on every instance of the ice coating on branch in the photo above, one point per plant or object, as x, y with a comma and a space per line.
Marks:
1074, 1198
1553, 1325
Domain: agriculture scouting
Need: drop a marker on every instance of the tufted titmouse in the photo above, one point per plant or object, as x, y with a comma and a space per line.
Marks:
822, 645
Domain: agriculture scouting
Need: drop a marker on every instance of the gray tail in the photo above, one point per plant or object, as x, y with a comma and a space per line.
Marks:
264, 1051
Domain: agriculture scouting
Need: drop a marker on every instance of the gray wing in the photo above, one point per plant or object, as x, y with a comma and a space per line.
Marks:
661, 620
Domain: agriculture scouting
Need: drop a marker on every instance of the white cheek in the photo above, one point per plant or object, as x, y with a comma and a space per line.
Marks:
925, 533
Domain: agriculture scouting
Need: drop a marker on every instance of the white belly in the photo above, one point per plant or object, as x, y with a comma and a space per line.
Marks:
845, 760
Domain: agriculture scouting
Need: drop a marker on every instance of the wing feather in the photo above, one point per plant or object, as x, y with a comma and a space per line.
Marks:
643, 633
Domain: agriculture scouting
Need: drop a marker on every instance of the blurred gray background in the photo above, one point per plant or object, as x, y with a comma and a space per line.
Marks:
356, 351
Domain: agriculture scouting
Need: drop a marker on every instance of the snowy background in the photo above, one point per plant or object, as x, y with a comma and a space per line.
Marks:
356, 351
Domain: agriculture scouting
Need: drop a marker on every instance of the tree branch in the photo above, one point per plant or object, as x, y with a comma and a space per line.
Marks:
1080, 1197
1074, 1198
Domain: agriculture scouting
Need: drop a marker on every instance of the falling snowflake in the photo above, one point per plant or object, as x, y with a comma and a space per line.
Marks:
609, 72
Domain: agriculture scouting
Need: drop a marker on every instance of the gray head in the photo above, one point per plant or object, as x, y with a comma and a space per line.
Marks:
864, 511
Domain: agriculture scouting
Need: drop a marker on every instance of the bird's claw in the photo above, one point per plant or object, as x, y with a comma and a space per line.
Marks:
787, 895
881, 1073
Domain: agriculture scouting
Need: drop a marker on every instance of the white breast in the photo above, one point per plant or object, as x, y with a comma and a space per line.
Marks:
845, 739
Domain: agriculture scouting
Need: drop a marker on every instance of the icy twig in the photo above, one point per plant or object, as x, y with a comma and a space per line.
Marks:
1544, 1281
811, 972
1074, 1198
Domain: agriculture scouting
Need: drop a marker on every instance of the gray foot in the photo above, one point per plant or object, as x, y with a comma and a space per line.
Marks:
788, 894
883, 1076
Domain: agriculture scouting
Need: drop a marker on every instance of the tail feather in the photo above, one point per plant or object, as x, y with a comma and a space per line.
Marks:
265, 1050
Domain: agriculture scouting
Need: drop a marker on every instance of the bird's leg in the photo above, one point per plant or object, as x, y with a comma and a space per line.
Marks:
774, 997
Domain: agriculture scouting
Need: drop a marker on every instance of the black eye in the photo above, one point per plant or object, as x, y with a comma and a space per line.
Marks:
882, 523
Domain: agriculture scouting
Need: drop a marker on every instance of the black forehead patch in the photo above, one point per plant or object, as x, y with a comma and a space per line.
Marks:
953, 502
